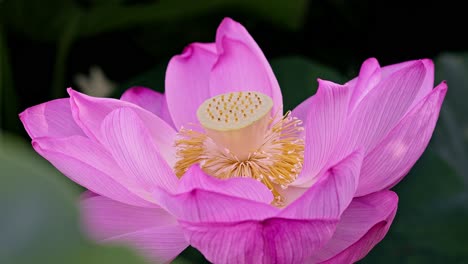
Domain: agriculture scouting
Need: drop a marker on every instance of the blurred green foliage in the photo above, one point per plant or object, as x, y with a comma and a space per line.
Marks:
39, 222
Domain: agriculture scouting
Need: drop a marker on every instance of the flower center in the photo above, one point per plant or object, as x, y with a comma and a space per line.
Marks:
241, 140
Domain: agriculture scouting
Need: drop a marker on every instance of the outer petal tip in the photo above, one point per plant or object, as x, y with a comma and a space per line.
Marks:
229, 22
23, 118
371, 60
70, 91
21, 115
36, 146
186, 53
441, 89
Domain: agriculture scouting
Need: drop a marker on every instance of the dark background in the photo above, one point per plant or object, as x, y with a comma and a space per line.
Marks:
44, 44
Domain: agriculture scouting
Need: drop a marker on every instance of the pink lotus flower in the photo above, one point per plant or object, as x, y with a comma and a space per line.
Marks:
239, 182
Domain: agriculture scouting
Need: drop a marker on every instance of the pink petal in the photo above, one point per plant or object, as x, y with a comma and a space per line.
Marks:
51, 119
428, 82
364, 223
273, 240
129, 141
105, 218
160, 244
187, 82
89, 165
369, 76
89, 112
380, 110
206, 206
331, 195
391, 160
371, 73
361, 248
152, 231
324, 116
247, 188
241, 65
150, 100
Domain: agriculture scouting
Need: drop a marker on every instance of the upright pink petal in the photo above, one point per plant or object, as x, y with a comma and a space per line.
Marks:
363, 224
247, 188
129, 141
380, 110
187, 82
89, 112
369, 76
241, 65
391, 160
150, 100
428, 82
89, 165
152, 231
324, 116
51, 119
371, 72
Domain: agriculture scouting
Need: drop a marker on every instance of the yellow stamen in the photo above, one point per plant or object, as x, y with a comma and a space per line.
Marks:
245, 144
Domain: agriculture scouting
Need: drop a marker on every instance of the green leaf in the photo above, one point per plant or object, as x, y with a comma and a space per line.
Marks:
40, 221
298, 78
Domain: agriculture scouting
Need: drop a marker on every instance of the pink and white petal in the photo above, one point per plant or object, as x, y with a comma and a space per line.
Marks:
129, 141
273, 240
150, 100
331, 195
391, 160
89, 165
380, 110
187, 82
104, 218
363, 224
205, 206
89, 112
241, 65
50, 119
246, 188
369, 76
324, 117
